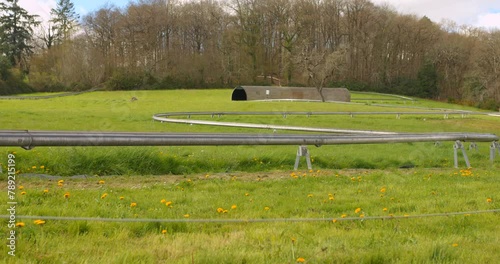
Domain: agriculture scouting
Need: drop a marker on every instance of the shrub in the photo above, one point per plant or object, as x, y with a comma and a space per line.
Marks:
122, 80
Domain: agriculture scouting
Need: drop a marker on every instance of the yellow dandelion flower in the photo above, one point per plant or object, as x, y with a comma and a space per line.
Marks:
361, 215
267, 208
225, 211
101, 182
20, 224
331, 198
343, 216
233, 206
33, 167
23, 193
385, 209
406, 215
104, 195
310, 195
42, 167
46, 191
164, 231
59, 184
454, 245
66, 195
169, 203
301, 260
21, 187
133, 205
334, 220
293, 239
186, 216
357, 210
489, 200
39, 222
163, 201
188, 180
383, 189
207, 175
247, 194
220, 210
121, 197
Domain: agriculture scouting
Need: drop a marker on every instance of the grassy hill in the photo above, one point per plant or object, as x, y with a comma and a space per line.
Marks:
355, 206
115, 111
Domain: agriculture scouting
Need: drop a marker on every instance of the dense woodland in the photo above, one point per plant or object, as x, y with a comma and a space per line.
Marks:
158, 44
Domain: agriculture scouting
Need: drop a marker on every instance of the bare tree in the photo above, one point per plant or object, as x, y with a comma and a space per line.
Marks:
321, 66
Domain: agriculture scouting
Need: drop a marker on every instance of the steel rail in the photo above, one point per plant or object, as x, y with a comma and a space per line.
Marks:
50, 96
286, 113
31, 139
165, 117
274, 127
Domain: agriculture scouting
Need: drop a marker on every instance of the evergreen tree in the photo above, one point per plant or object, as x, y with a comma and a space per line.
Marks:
64, 19
427, 86
16, 33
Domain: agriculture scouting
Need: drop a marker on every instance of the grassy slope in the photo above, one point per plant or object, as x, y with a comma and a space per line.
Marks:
113, 111
423, 190
454, 239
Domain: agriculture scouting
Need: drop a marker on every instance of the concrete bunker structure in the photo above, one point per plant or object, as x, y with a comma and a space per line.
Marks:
249, 93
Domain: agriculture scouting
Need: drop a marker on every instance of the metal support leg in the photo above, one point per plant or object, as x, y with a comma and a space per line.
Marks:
303, 152
473, 146
494, 146
459, 145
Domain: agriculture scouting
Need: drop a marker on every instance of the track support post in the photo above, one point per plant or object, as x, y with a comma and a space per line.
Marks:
303, 152
459, 145
494, 146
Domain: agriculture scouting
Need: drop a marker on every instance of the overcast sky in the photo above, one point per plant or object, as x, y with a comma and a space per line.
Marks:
481, 13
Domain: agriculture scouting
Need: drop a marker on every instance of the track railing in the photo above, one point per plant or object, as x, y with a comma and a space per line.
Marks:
31, 139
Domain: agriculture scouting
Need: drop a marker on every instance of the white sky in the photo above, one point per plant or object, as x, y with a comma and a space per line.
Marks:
480, 13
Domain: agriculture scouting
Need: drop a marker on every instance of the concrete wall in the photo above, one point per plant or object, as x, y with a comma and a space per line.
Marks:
298, 93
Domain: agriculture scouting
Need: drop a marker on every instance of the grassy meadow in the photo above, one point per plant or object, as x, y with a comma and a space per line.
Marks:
349, 187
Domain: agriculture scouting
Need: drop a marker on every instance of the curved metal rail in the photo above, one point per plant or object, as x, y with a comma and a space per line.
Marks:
311, 113
37, 97
165, 117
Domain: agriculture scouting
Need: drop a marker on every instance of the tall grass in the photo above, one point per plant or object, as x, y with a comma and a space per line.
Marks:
247, 182
114, 111
263, 195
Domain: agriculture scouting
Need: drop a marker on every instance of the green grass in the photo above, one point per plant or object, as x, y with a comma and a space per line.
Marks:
114, 111
301, 194
198, 180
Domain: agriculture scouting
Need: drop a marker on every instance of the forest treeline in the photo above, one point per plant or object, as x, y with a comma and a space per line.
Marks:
158, 44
